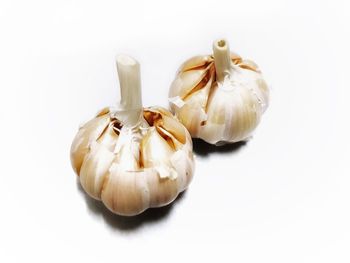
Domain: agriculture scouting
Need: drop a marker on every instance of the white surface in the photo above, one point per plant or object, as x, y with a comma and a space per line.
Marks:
282, 197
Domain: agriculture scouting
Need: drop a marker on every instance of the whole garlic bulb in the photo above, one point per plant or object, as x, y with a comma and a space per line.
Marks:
130, 157
219, 98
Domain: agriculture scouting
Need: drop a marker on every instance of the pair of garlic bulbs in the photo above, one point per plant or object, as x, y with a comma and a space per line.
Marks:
133, 158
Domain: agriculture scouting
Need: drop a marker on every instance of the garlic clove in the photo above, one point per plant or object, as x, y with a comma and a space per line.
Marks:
221, 100
165, 123
155, 150
132, 158
95, 168
97, 162
164, 189
125, 192
89, 132
192, 116
187, 82
197, 62
173, 127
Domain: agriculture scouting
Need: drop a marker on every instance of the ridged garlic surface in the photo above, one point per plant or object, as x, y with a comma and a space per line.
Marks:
220, 98
132, 158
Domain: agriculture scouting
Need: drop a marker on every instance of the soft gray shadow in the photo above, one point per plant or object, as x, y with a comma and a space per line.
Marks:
125, 223
203, 148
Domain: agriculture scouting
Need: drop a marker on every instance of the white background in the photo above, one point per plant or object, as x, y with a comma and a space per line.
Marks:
282, 197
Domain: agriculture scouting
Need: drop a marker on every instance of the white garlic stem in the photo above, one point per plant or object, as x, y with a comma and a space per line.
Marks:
222, 59
130, 88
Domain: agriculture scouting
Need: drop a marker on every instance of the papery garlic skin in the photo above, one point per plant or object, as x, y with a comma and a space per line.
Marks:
220, 98
133, 158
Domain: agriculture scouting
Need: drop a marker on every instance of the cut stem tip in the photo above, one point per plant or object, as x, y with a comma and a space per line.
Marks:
222, 58
130, 87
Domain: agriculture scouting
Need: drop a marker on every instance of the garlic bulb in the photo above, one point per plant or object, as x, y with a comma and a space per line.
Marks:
219, 98
130, 157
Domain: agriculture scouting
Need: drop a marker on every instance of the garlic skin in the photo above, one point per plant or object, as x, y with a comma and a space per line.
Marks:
220, 98
132, 158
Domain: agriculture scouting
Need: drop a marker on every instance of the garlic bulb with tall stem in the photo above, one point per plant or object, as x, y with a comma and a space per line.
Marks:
132, 158
220, 98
